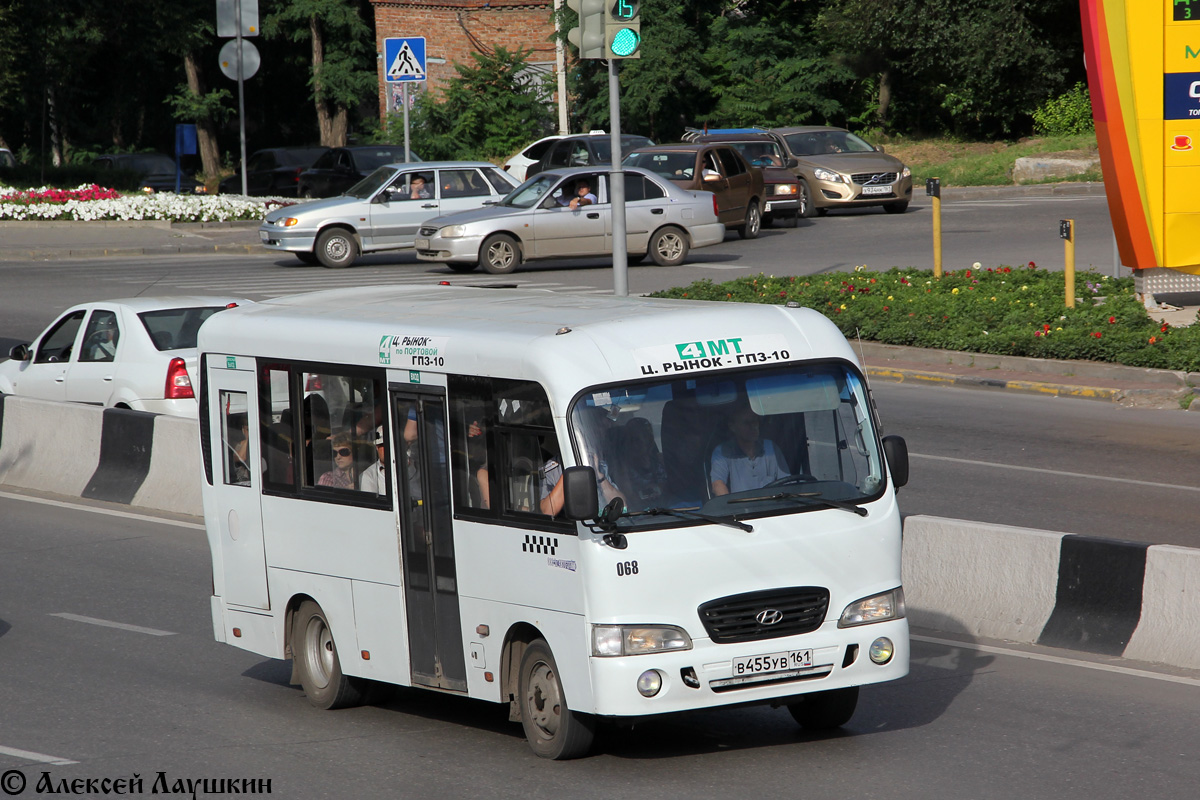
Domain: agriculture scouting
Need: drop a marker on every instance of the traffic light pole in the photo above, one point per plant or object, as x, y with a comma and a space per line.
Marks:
616, 188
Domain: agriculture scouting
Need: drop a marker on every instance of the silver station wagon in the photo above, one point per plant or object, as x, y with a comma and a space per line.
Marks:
382, 211
541, 219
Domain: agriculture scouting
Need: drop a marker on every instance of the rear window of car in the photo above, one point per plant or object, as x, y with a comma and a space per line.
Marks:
672, 166
176, 328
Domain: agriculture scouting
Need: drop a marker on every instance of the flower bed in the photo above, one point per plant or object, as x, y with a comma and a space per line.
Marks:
98, 203
1005, 310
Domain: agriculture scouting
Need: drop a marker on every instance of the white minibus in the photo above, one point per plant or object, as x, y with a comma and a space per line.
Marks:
592, 509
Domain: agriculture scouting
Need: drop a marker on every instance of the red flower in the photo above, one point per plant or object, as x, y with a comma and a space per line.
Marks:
783, 294
1097, 334
1045, 327
1153, 339
968, 273
885, 308
1032, 265
1164, 327
1111, 320
1037, 333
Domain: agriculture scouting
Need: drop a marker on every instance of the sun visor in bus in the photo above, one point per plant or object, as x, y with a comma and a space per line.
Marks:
792, 392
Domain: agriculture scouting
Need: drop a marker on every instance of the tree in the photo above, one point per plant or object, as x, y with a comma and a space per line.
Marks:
343, 56
489, 111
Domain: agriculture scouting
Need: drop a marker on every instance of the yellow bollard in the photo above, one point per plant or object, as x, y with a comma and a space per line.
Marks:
1066, 230
933, 188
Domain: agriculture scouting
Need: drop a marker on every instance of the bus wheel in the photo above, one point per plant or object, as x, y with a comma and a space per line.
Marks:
319, 670
823, 711
553, 730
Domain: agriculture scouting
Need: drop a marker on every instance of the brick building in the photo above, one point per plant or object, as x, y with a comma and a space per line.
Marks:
453, 29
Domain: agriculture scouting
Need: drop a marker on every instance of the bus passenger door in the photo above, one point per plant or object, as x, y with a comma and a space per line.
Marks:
237, 480
427, 539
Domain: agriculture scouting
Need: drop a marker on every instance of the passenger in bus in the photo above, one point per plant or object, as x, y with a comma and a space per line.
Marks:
374, 477
745, 461
596, 426
342, 476
477, 459
639, 465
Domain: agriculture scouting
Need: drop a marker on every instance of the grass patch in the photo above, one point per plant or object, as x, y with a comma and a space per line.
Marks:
1001, 310
984, 163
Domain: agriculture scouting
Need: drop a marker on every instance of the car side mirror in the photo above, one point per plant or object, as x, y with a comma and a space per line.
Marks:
20, 352
579, 493
710, 175
879, 148
895, 450
792, 163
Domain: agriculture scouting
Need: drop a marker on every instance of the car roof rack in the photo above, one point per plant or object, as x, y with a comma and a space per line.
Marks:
690, 134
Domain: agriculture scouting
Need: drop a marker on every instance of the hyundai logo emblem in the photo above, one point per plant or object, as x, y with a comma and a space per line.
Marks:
769, 616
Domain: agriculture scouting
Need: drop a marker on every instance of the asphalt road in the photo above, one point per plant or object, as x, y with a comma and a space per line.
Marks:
110, 669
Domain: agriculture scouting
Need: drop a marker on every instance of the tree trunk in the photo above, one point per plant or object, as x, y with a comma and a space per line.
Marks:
885, 95
326, 122
206, 130
56, 135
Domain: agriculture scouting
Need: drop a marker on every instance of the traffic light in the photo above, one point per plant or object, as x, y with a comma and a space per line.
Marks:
589, 36
623, 29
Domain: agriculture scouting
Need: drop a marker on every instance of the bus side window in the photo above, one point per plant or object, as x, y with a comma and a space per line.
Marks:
277, 434
235, 438
469, 424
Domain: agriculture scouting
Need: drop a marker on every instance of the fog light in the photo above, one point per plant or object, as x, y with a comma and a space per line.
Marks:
649, 683
882, 650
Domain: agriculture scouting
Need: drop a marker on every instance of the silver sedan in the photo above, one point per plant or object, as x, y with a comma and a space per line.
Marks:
539, 220
382, 211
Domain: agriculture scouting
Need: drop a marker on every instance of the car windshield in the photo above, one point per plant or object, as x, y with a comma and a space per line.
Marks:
785, 438
531, 191
371, 184
672, 166
817, 143
176, 328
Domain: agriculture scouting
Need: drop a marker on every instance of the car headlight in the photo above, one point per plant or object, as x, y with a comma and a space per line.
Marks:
906, 173
826, 175
633, 640
287, 222
785, 188
453, 231
877, 608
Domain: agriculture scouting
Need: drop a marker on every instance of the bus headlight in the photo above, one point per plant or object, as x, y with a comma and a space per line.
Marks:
453, 232
649, 683
634, 640
877, 608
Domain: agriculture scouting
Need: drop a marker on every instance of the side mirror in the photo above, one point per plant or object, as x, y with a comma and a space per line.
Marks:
879, 148
20, 352
895, 450
710, 175
792, 163
579, 493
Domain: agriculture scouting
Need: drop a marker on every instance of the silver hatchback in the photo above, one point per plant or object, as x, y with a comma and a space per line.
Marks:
538, 220
382, 211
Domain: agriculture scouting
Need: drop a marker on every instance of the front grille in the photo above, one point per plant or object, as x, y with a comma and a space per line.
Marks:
427, 231
734, 618
874, 178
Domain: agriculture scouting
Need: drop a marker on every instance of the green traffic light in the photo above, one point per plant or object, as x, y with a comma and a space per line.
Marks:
626, 42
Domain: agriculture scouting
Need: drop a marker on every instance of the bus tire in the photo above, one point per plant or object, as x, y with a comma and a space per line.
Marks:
336, 248
552, 729
317, 664
824, 711
500, 254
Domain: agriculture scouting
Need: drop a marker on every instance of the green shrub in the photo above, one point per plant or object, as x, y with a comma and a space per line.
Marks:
1066, 114
1003, 310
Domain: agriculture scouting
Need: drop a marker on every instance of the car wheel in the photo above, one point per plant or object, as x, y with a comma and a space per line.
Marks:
552, 729
896, 208
668, 247
823, 711
308, 258
500, 254
806, 209
316, 661
458, 266
753, 224
336, 248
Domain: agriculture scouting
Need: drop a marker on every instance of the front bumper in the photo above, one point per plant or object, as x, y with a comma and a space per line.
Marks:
614, 680
287, 239
781, 205
462, 249
827, 194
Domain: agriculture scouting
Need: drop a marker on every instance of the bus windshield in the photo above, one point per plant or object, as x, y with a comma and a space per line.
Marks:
779, 439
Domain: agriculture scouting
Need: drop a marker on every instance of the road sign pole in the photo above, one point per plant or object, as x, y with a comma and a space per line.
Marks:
404, 100
616, 188
241, 97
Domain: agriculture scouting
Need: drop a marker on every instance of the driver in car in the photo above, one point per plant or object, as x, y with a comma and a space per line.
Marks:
745, 461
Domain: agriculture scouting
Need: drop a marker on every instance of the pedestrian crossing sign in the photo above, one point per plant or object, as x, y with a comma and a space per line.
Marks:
404, 59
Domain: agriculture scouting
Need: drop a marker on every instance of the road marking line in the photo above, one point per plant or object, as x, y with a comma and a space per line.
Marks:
1004, 651
1063, 473
107, 624
29, 755
93, 509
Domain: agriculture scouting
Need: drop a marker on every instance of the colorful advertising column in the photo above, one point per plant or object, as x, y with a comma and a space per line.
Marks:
1143, 61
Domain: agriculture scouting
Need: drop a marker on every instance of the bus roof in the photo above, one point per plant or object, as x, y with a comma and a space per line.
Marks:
561, 340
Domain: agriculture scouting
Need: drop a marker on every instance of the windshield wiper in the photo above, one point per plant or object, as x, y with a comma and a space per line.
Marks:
672, 512
807, 498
